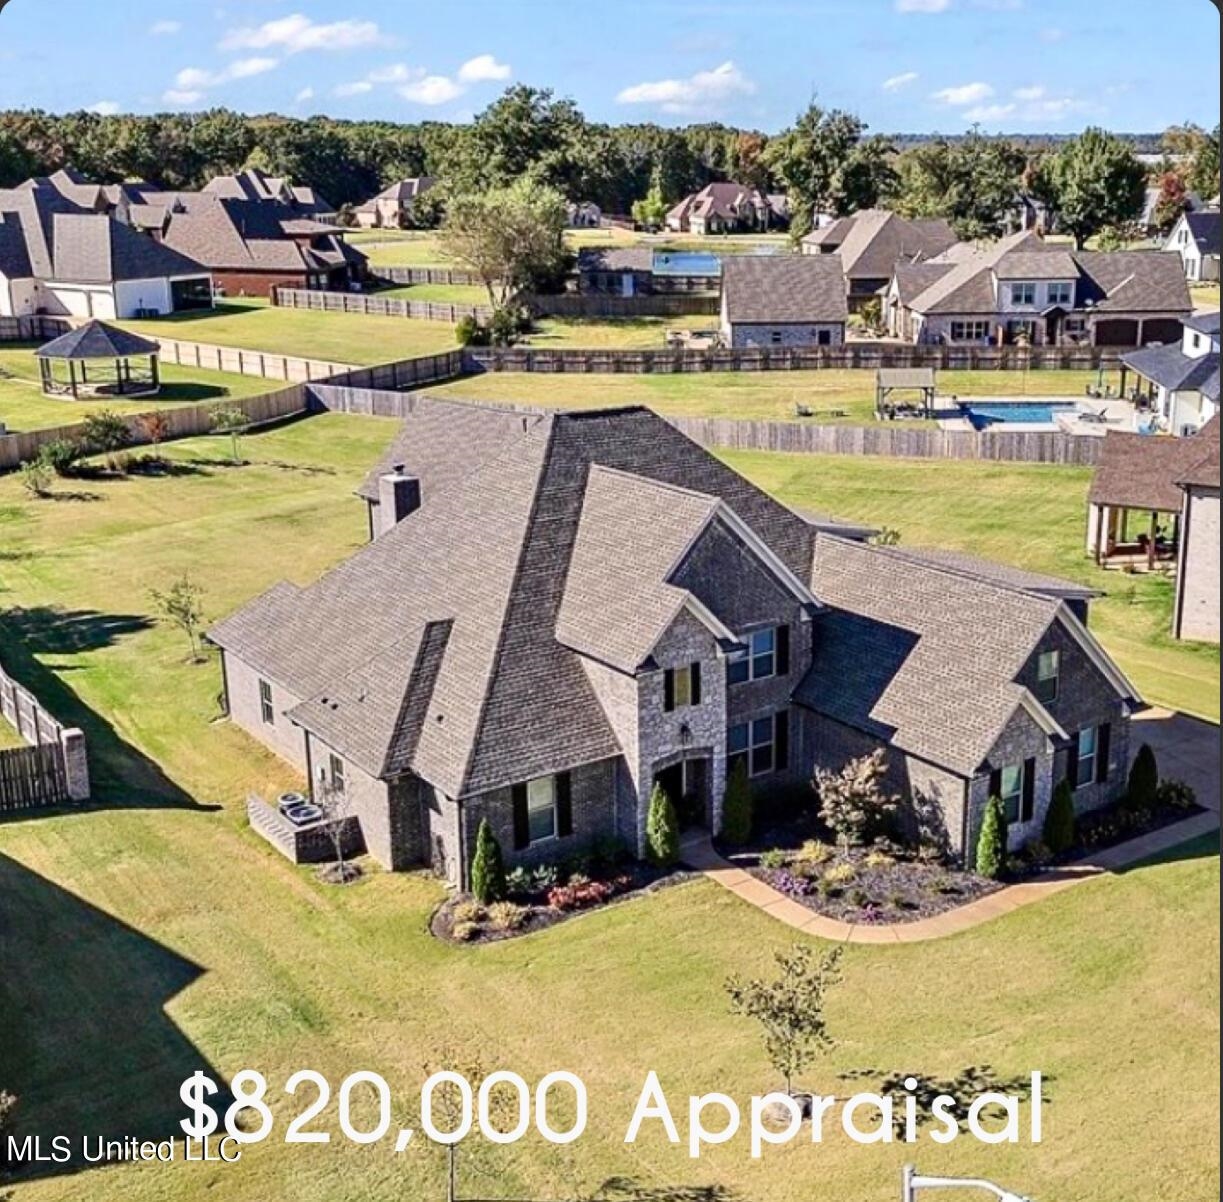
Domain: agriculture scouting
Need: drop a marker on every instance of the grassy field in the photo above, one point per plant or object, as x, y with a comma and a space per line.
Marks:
1205, 296
175, 940
761, 395
339, 337
23, 406
449, 294
1032, 517
628, 333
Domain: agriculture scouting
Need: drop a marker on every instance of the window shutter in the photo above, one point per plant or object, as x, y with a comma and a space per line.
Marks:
781, 739
564, 804
522, 821
1072, 762
668, 690
696, 682
1103, 739
995, 783
783, 650
1028, 806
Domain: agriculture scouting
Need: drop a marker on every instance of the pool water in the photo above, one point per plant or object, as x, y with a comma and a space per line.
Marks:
686, 262
1019, 413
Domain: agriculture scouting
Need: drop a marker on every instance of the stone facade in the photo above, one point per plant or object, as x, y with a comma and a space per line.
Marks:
743, 336
1197, 586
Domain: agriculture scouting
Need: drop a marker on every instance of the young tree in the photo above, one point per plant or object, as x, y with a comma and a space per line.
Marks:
37, 477
334, 803
790, 1007
991, 842
853, 801
1203, 175
809, 158
512, 238
105, 433
1097, 182
651, 211
1144, 780
1059, 819
662, 830
181, 605
155, 428
487, 867
1173, 200
737, 807
232, 421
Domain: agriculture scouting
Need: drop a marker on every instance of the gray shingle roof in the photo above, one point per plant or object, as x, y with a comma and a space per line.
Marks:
97, 340
920, 653
1171, 368
615, 258
1204, 227
872, 242
1142, 471
784, 288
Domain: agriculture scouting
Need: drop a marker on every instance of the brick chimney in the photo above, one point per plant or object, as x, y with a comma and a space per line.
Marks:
398, 496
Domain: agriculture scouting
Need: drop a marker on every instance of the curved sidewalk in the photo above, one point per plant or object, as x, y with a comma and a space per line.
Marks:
699, 853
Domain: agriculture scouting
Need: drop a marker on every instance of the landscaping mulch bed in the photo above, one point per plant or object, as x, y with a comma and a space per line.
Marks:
536, 914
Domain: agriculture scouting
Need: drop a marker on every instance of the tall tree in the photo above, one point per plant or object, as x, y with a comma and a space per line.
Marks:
868, 177
1097, 182
809, 158
1173, 200
1203, 175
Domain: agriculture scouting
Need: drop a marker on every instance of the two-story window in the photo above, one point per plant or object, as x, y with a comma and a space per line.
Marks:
763, 744
681, 687
767, 654
543, 809
1048, 671
1061, 294
1089, 756
1023, 293
266, 711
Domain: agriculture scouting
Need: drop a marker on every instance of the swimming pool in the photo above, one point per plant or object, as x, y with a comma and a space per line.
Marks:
686, 262
1026, 413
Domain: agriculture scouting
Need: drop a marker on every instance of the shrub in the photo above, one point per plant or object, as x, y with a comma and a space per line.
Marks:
576, 897
467, 331
878, 859
544, 877
1144, 780
853, 801
1175, 795
737, 807
505, 916
774, 858
36, 478
465, 931
840, 874
1037, 853
105, 433
59, 455
503, 327
518, 883
787, 882
662, 830
469, 911
487, 867
1059, 820
827, 889
991, 842
859, 898
814, 852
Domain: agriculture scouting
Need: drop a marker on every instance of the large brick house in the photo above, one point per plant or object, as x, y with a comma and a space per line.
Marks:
556, 612
1024, 288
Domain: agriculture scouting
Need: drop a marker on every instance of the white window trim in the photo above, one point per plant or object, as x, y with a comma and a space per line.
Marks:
1093, 758
749, 656
1021, 770
550, 781
752, 746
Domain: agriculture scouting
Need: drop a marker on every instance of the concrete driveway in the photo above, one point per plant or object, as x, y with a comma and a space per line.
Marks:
1185, 749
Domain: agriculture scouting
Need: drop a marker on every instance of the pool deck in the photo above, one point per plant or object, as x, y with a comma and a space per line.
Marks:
1118, 415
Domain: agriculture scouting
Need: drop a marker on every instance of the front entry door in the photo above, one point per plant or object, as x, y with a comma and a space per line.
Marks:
687, 785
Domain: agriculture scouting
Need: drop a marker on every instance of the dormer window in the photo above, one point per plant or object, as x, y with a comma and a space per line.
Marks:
1023, 294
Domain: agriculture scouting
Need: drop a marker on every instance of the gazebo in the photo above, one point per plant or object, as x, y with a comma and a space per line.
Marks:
99, 359
905, 379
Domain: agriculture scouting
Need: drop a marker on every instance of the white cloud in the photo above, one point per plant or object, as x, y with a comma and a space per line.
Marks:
431, 90
297, 33
922, 6
182, 96
1033, 93
990, 112
395, 73
1029, 106
165, 29
191, 83
193, 78
704, 90
482, 69
104, 108
304, 95
896, 82
357, 88
244, 68
969, 93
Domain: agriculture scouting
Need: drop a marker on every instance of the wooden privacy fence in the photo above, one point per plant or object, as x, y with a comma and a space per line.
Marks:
600, 304
53, 768
271, 366
852, 355
894, 439
450, 276
31, 329
377, 306
378, 402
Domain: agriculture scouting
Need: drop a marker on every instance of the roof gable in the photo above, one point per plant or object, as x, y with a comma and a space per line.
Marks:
784, 289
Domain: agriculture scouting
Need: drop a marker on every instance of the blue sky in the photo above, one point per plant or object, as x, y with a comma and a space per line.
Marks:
903, 65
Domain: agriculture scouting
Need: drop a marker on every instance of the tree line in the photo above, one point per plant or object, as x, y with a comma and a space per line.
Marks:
826, 161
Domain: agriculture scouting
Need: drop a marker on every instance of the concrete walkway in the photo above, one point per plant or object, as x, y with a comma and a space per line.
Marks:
698, 853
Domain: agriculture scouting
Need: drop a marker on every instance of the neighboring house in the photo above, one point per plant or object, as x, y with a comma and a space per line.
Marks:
1150, 203
65, 259
1183, 378
1030, 214
560, 611
391, 209
618, 270
254, 184
782, 300
583, 215
1195, 237
1024, 289
1168, 488
723, 208
870, 245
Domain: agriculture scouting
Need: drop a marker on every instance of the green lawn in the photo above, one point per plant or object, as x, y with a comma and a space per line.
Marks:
168, 938
399, 248
1205, 296
337, 337
1032, 517
761, 395
23, 405
9, 737
448, 294
628, 333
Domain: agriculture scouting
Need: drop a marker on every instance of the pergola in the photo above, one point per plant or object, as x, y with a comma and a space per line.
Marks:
906, 379
99, 359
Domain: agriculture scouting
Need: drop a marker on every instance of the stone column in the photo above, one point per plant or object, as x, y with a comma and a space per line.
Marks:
76, 763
